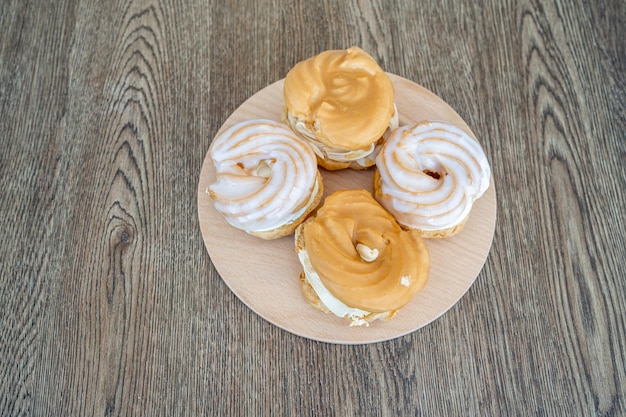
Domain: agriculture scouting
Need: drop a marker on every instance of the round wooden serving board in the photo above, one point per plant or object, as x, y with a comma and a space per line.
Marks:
264, 274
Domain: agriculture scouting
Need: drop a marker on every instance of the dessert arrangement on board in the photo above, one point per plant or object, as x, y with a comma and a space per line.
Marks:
363, 255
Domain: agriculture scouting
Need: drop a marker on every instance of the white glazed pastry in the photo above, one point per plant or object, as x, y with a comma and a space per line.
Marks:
358, 263
267, 180
429, 175
342, 103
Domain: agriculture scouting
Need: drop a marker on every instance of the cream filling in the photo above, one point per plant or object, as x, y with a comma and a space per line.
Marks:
297, 214
363, 157
335, 305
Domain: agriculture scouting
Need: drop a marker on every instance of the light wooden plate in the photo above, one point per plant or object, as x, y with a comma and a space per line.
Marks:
264, 274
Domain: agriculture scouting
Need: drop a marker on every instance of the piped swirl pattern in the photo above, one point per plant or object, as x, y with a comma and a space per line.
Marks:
430, 175
266, 175
362, 256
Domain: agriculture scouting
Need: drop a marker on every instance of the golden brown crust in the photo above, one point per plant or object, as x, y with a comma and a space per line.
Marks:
310, 295
331, 165
427, 234
314, 301
289, 228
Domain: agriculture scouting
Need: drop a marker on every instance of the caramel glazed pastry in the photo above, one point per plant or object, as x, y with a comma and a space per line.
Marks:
358, 263
267, 180
342, 103
429, 175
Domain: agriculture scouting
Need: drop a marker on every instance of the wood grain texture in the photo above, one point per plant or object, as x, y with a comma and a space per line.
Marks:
109, 304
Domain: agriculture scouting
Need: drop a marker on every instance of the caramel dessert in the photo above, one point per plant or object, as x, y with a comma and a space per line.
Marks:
342, 103
358, 263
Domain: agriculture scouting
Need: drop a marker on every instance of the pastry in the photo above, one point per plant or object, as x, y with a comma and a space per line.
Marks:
342, 103
267, 180
358, 262
429, 175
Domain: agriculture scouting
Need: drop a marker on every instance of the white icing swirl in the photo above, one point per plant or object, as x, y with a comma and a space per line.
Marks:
431, 174
266, 175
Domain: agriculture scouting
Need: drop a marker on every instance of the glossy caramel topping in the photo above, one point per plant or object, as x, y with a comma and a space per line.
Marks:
343, 97
361, 254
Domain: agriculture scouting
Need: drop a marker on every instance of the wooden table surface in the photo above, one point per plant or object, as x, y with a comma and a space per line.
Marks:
109, 302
